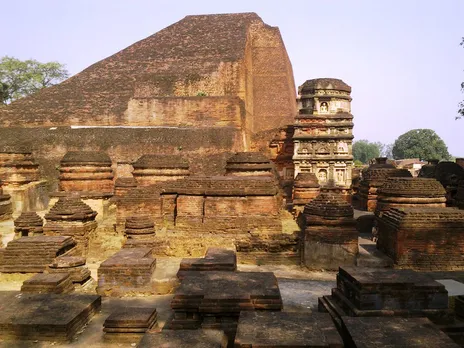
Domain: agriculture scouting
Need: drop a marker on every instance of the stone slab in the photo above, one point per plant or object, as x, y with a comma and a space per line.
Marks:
184, 338
393, 332
286, 329
454, 287
45, 317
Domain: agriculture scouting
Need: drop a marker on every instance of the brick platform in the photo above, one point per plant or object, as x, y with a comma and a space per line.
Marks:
378, 292
33, 254
184, 338
214, 300
286, 329
393, 332
216, 259
45, 317
131, 320
423, 238
74, 265
127, 271
44, 283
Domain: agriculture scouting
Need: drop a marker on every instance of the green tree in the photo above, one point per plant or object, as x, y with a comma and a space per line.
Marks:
420, 143
364, 151
461, 104
21, 78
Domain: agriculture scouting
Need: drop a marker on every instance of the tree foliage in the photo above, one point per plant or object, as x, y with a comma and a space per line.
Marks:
420, 143
364, 151
21, 78
461, 104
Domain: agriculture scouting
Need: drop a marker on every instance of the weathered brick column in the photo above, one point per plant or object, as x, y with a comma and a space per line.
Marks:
330, 235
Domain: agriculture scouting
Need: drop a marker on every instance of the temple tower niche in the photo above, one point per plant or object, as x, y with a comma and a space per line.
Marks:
324, 133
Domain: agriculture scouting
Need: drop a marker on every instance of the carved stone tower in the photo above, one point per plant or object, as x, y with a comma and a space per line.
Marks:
323, 133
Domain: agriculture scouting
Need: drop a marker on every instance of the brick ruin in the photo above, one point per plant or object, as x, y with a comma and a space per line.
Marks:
249, 164
21, 180
140, 232
329, 232
129, 271
449, 174
305, 188
226, 81
410, 192
18, 167
153, 169
46, 283
386, 293
70, 216
423, 238
209, 124
281, 154
75, 266
123, 185
215, 259
34, 254
214, 300
373, 178
227, 205
28, 224
5, 205
87, 172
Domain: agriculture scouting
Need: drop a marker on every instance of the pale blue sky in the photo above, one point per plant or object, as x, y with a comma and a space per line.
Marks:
401, 57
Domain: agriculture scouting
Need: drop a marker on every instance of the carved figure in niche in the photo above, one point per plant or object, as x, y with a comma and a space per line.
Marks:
340, 175
322, 149
324, 107
342, 147
322, 175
